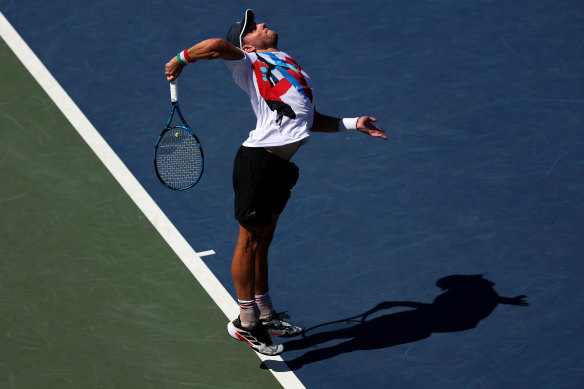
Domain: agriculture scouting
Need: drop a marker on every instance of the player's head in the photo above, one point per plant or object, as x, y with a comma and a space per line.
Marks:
250, 36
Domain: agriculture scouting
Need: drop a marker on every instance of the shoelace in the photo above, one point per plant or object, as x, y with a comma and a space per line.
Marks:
276, 322
281, 315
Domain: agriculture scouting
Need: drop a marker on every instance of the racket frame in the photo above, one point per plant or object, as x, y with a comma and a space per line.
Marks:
175, 109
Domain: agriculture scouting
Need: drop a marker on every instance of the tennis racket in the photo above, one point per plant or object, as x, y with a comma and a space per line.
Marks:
178, 155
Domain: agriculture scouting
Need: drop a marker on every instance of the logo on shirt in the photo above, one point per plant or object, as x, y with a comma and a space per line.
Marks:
275, 77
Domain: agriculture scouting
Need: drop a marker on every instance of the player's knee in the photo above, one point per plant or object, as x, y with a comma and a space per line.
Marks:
250, 236
268, 233
267, 239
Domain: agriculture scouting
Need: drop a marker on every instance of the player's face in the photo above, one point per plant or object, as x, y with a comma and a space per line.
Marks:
260, 37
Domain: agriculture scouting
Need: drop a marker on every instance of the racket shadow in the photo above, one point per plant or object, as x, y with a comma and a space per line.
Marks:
467, 300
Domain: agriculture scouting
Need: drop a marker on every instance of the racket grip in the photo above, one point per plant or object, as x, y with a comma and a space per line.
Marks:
173, 91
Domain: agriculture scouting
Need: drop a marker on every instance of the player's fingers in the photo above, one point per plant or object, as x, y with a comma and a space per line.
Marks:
371, 126
378, 134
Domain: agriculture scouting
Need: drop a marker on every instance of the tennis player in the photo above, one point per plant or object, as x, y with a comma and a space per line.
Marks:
282, 98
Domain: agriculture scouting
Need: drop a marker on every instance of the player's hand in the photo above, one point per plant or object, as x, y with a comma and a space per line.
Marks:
365, 124
173, 69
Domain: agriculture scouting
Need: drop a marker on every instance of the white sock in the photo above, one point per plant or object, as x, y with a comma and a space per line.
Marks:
264, 303
248, 312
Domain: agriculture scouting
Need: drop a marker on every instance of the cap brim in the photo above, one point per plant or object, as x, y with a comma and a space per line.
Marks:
246, 23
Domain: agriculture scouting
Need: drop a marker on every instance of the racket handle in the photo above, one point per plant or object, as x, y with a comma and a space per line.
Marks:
173, 91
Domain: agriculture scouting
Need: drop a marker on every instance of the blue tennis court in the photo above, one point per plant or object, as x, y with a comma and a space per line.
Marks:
405, 259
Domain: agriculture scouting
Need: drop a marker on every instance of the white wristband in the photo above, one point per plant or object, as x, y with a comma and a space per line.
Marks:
348, 124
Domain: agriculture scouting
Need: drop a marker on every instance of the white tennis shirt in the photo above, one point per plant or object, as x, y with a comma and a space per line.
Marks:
281, 97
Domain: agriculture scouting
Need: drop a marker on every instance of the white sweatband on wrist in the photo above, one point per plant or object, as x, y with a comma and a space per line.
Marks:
348, 124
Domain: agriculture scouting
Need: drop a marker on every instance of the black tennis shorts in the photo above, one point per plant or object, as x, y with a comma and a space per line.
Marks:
262, 184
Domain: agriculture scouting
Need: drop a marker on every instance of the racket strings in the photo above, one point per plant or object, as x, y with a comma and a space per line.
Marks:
179, 160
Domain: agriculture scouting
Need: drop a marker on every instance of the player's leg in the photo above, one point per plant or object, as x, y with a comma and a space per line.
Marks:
243, 270
262, 286
261, 260
247, 327
275, 323
253, 220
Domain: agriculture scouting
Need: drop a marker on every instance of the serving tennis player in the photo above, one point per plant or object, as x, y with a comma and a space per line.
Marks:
282, 99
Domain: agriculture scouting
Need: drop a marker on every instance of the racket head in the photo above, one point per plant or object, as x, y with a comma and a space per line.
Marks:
178, 158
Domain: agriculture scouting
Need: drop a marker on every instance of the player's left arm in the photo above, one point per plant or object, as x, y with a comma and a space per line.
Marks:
365, 124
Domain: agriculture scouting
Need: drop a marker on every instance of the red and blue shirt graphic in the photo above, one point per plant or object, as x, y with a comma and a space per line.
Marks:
275, 77
281, 96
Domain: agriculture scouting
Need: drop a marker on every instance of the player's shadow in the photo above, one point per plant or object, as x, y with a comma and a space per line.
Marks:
467, 300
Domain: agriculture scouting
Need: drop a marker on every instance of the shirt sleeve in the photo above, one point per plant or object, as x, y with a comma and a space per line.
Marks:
241, 70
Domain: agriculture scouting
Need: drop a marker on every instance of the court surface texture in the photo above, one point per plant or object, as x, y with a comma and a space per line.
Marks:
406, 260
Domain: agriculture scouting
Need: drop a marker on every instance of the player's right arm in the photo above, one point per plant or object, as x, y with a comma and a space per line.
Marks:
214, 48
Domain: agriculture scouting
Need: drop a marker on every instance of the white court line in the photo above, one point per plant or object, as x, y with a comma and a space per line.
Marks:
130, 184
205, 253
